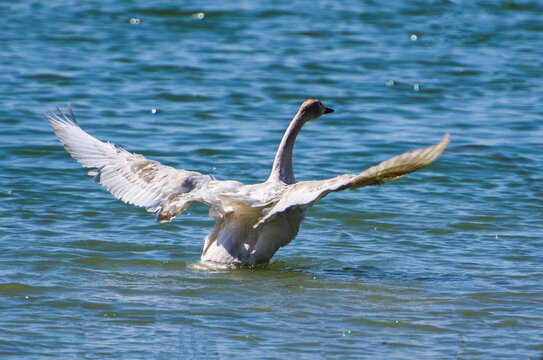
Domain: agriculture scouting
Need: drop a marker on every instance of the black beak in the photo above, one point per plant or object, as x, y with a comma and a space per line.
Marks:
328, 110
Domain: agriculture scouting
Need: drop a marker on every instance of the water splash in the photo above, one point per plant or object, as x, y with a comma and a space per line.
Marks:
198, 16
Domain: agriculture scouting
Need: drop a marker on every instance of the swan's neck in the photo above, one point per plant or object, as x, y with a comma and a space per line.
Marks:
282, 165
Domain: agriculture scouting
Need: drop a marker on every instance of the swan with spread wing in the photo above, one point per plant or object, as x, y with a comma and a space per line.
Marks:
251, 221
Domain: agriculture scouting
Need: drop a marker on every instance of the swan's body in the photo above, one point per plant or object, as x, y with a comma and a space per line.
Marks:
251, 221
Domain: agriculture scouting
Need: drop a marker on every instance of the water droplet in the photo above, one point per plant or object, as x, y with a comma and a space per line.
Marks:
390, 83
153, 111
414, 37
496, 236
134, 21
27, 297
214, 168
416, 87
198, 16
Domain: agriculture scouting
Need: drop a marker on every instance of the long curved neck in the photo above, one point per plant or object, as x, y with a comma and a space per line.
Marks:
282, 165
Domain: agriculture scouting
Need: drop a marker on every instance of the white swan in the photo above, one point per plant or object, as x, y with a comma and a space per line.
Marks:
251, 221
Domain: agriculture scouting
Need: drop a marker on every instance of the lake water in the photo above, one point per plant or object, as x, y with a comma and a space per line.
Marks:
445, 263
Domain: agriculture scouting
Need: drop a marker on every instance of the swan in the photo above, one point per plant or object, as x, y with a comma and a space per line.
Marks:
251, 221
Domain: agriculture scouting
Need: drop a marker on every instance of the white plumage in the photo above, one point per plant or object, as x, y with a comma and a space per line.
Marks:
251, 221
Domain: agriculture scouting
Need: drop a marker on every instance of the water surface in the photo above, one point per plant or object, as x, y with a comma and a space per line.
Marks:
445, 263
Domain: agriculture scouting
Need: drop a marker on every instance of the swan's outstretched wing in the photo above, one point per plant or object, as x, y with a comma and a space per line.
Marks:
130, 177
307, 193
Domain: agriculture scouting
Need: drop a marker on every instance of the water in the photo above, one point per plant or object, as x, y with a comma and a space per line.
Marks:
446, 263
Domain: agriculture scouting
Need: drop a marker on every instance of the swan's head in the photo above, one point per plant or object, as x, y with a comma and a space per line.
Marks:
312, 109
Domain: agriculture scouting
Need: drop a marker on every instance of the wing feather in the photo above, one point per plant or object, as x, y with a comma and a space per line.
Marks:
307, 193
129, 177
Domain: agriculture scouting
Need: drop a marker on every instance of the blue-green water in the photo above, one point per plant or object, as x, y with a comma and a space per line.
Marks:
446, 263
